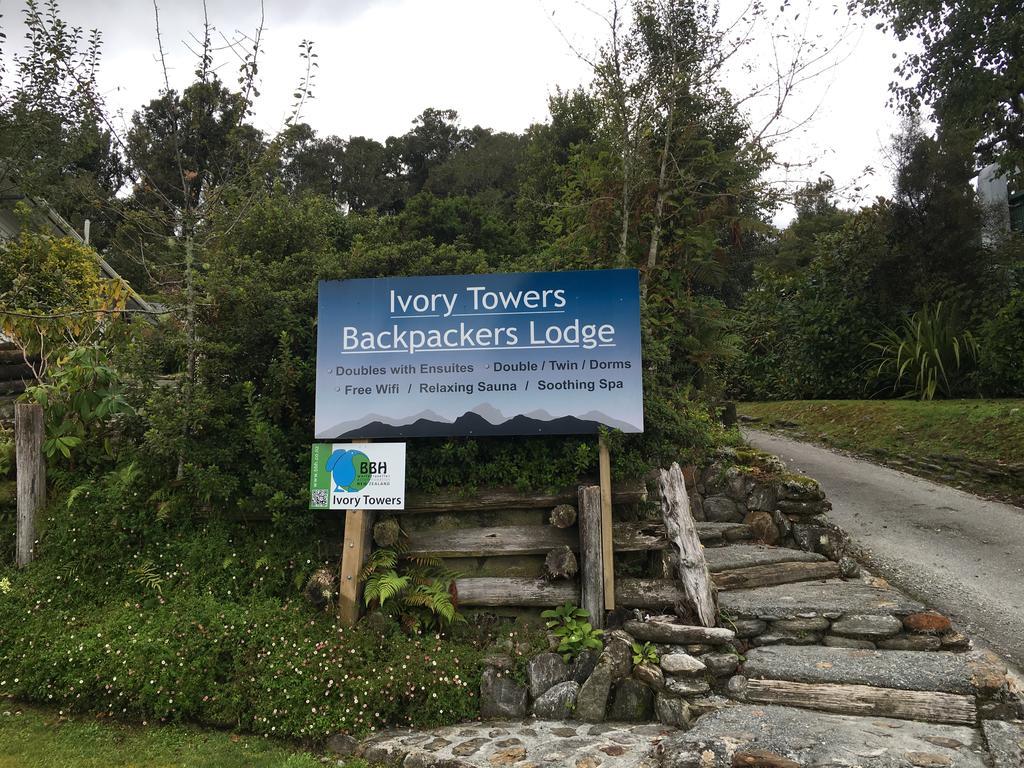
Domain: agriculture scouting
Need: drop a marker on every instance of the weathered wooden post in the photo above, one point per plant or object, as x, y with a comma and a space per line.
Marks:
591, 553
607, 547
31, 472
354, 551
681, 531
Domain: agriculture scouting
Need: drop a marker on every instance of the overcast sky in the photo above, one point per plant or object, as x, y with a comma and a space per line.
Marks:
494, 61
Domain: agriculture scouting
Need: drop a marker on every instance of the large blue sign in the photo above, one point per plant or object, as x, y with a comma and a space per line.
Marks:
536, 353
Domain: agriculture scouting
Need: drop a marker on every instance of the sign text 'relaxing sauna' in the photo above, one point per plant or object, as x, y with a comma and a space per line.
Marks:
507, 354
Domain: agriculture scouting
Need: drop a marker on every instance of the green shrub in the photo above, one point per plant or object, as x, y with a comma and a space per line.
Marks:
927, 355
1001, 360
576, 635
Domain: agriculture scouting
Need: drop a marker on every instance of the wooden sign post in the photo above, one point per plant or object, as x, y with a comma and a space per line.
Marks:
31, 470
354, 551
607, 553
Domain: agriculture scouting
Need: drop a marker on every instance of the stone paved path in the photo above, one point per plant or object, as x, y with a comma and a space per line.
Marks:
961, 554
529, 744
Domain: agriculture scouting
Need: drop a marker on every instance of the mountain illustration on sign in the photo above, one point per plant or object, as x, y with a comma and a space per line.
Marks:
344, 467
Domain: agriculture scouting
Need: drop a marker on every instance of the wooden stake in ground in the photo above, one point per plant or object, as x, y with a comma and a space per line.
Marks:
31, 471
591, 559
607, 551
681, 530
354, 551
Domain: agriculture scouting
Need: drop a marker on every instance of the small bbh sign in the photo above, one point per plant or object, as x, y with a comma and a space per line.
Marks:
357, 476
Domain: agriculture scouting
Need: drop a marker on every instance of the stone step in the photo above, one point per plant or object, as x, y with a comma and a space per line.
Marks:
771, 735
831, 598
748, 555
970, 673
1005, 742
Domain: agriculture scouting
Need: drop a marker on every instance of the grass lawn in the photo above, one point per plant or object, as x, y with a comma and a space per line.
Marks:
976, 444
38, 738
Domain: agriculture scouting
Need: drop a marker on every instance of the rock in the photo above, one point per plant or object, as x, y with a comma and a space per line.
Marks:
722, 509
633, 702
1005, 743
834, 641
803, 508
911, 643
582, 666
813, 739
955, 641
762, 758
832, 598
498, 661
761, 498
685, 686
809, 537
712, 702
558, 702
762, 526
501, 697
804, 489
676, 634
681, 664
341, 744
592, 700
787, 638
849, 568
507, 756
811, 624
721, 664
929, 622
783, 523
618, 653
867, 627
697, 508
747, 627
929, 759
671, 710
544, 671
468, 747
650, 675
737, 484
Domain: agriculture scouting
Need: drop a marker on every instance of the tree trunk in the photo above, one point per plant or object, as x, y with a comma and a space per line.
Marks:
560, 563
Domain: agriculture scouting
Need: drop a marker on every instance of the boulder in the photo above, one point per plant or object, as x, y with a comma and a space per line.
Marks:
748, 627
783, 523
618, 653
763, 527
681, 664
867, 627
558, 702
721, 664
582, 666
761, 498
657, 631
928, 622
722, 509
804, 489
544, 671
737, 484
697, 508
341, 744
650, 675
633, 702
501, 698
592, 699
849, 568
671, 710
686, 686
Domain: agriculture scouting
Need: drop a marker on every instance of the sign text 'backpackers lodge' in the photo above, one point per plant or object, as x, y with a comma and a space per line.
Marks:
538, 353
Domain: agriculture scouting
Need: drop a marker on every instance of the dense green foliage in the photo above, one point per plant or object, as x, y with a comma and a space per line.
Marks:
966, 65
154, 594
827, 294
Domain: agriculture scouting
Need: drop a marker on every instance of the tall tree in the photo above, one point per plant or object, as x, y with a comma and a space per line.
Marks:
968, 66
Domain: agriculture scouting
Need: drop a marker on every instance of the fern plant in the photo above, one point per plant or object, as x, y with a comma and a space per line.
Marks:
419, 590
927, 355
